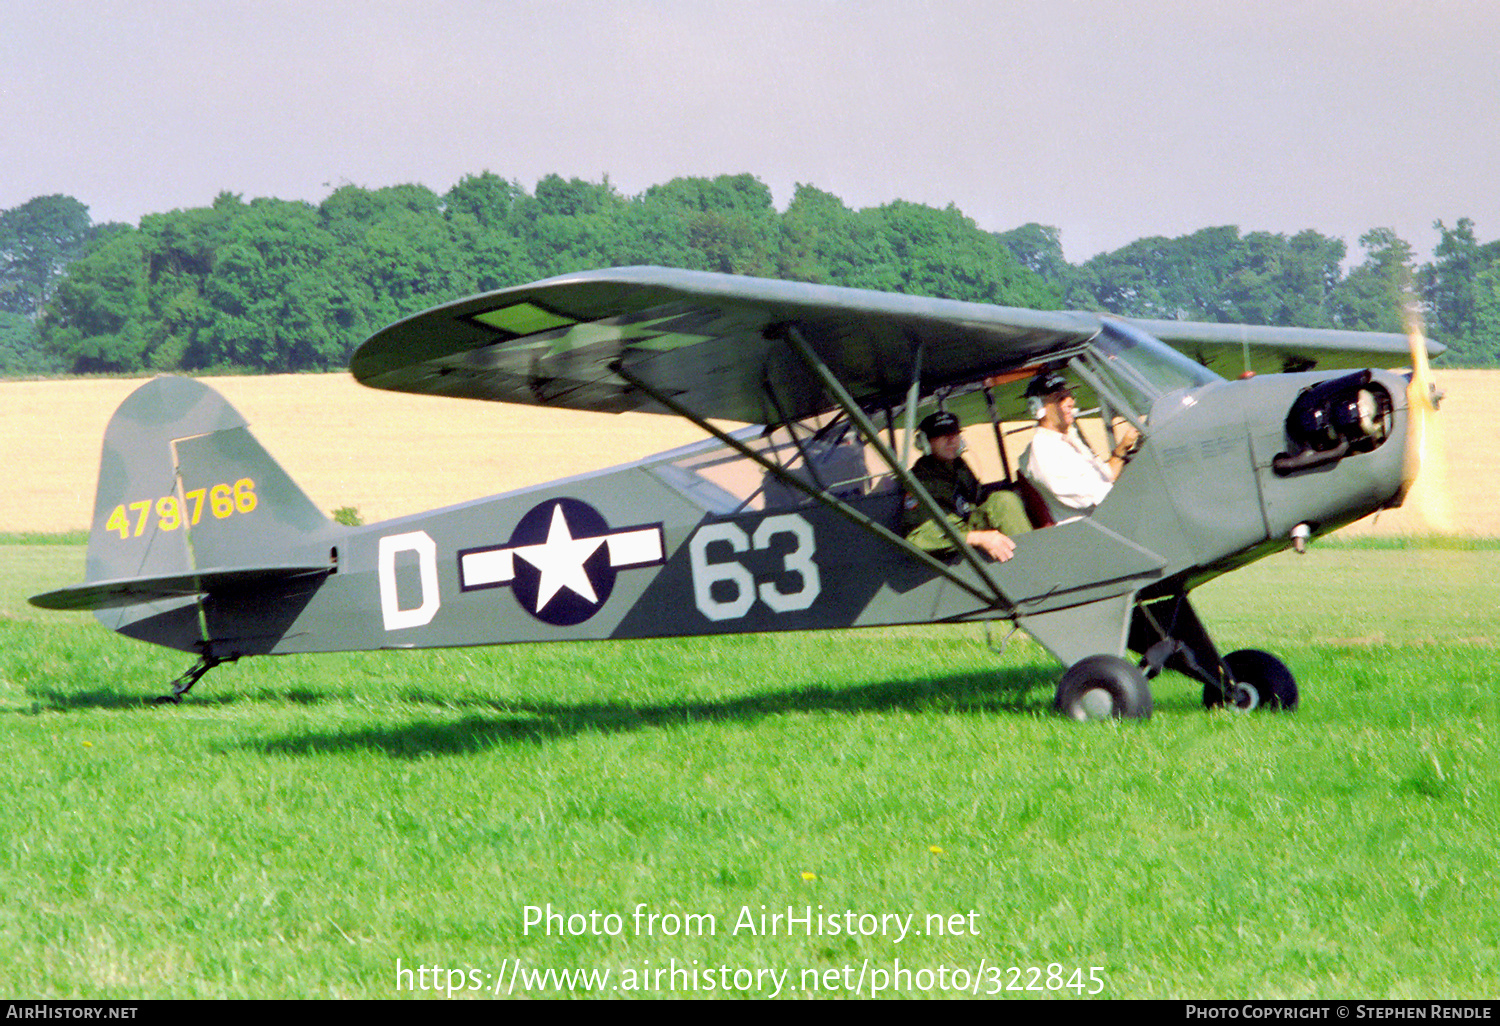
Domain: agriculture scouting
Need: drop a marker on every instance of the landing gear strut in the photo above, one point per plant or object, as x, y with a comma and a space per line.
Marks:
1168, 634
182, 684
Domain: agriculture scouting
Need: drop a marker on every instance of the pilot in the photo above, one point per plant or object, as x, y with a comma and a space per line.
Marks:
988, 523
1070, 476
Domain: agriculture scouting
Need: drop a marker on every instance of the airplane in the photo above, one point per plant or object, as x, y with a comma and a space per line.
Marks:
1252, 440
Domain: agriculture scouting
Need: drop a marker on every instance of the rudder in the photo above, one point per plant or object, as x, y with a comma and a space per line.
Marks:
184, 487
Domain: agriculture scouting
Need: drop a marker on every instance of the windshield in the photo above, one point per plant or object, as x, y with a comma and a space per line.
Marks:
1146, 367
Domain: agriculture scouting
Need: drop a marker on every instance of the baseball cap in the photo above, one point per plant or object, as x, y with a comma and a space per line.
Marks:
936, 425
1046, 383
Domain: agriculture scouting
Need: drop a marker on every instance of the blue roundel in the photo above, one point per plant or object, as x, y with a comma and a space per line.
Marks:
562, 566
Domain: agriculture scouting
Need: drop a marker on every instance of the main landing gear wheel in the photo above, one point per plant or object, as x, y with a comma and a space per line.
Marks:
1261, 682
1103, 687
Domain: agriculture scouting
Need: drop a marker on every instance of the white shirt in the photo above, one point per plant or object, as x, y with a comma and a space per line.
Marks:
1065, 470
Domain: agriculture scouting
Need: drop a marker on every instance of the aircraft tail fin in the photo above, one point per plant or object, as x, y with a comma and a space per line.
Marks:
188, 502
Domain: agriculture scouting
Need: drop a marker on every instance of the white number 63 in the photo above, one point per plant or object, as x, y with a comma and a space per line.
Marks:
798, 560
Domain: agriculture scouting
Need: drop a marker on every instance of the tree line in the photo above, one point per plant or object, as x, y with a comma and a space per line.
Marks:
273, 285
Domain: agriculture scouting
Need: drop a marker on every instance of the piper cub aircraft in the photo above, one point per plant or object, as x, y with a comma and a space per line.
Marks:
202, 543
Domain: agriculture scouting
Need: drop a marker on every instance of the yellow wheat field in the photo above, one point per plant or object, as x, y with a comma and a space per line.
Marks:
389, 454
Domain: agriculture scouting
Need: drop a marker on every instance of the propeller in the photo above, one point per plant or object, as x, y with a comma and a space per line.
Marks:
1422, 398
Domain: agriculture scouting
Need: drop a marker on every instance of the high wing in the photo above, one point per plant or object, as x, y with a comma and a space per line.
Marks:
1231, 349
624, 338
708, 340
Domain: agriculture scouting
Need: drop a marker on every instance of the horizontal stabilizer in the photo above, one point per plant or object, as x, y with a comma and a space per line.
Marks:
132, 591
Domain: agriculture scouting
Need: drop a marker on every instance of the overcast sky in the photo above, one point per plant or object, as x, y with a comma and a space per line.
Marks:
1109, 120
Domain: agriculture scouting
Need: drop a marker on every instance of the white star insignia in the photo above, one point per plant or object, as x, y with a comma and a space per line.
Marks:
560, 559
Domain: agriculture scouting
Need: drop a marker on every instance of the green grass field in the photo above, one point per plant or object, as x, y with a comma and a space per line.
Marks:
303, 825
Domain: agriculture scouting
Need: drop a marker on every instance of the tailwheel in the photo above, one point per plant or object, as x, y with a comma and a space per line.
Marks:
1261, 681
1103, 687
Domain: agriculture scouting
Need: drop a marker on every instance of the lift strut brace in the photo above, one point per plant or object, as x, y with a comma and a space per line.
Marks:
905, 476
820, 497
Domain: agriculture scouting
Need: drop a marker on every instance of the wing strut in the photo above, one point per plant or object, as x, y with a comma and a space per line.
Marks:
791, 429
1094, 378
821, 498
904, 475
989, 402
909, 415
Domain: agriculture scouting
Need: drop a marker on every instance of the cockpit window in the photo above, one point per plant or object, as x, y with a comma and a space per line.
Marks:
1147, 365
1136, 370
823, 452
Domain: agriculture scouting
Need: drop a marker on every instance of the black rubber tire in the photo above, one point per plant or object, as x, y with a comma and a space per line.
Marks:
1267, 676
1103, 687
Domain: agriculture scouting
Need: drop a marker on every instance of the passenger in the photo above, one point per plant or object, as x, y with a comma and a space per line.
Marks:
986, 523
1070, 477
